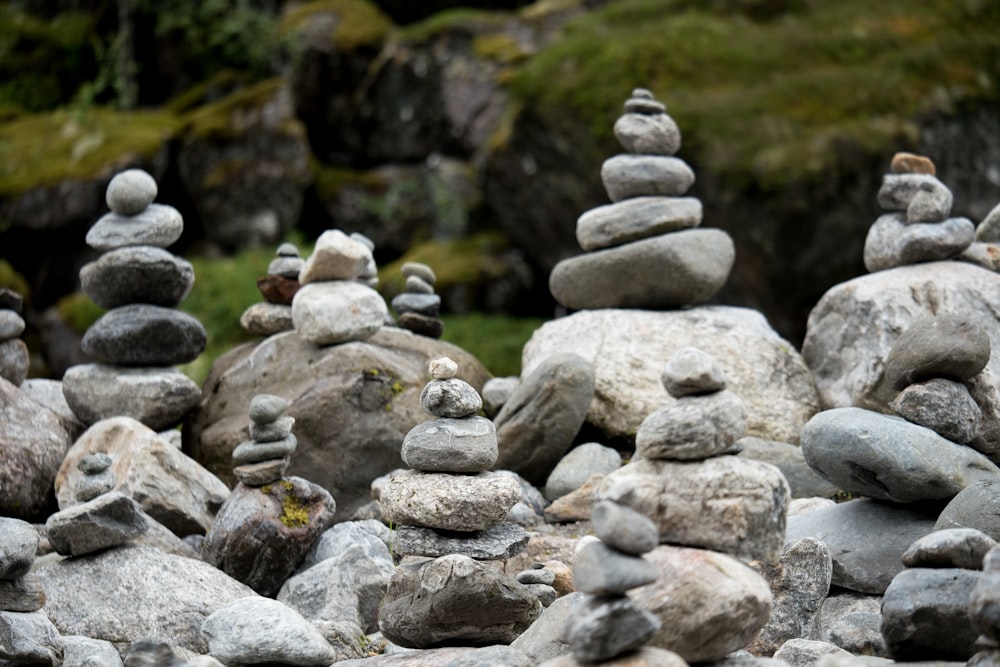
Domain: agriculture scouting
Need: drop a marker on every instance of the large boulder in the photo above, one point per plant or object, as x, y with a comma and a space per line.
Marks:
628, 349
352, 403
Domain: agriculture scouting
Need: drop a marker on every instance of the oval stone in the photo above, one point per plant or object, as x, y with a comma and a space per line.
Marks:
945, 346
449, 502
649, 134
451, 445
634, 219
337, 311
144, 335
627, 176
693, 427
137, 274
158, 225
130, 192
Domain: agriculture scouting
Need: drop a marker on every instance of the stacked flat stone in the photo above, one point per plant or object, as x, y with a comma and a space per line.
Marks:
934, 366
336, 303
26, 634
103, 519
14, 359
450, 502
917, 226
694, 439
140, 338
539, 579
278, 288
418, 306
608, 623
984, 602
265, 457
649, 231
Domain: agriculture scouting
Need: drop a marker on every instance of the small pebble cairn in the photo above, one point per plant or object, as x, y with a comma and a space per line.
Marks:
917, 227
982, 612
265, 457
649, 231
278, 288
449, 502
142, 336
103, 518
26, 634
609, 624
336, 302
418, 306
14, 359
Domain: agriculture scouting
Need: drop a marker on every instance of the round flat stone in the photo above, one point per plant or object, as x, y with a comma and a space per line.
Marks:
947, 346
698, 262
691, 371
423, 304
504, 540
255, 452
627, 175
645, 134
144, 335
266, 408
423, 325
449, 502
444, 368
336, 256
600, 570
338, 311
952, 547
11, 325
130, 192
622, 528
279, 429
419, 270
634, 219
137, 274
286, 267
262, 472
451, 445
417, 285
267, 319
898, 189
158, 226
693, 427
909, 163
454, 398
278, 289
943, 406
91, 464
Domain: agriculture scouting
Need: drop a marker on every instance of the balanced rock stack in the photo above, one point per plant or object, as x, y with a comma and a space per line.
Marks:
336, 303
983, 611
449, 506
142, 336
14, 359
609, 624
418, 306
650, 229
264, 529
265, 457
26, 634
917, 227
278, 288
703, 500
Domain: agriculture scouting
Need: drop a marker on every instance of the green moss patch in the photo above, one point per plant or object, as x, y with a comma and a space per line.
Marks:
232, 116
43, 149
777, 98
469, 260
358, 23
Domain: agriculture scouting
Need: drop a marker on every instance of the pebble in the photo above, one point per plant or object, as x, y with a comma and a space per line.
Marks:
642, 101
537, 575
11, 325
442, 369
18, 545
453, 398
449, 502
451, 445
501, 541
158, 225
898, 189
130, 192
337, 311
604, 629
419, 270
417, 285
98, 478
951, 547
11, 300
140, 334
271, 431
262, 472
690, 371
423, 325
422, 304
624, 529
909, 163
14, 361
634, 219
287, 262
944, 406
693, 427
108, 520
931, 203
602, 570
892, 242
95, 463
628, 175
947, 346
255, 452
137, 274
267, 319
278, 289
335, 257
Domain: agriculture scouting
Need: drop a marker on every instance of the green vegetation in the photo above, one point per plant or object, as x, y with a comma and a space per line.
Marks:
230, 117
358, 23
496, 340
465, 261
771, 99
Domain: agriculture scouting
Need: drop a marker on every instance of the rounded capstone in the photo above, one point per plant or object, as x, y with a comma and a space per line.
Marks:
94, 463
130, 192
691, 371
287, 250
443, 369
419, 270
266, 408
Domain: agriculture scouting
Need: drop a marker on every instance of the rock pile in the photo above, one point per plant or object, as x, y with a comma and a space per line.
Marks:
450, 507
704, 500
136, 343
649, 231
13, 352
336, 303
418, 306
268, 524
982, 611
278, 288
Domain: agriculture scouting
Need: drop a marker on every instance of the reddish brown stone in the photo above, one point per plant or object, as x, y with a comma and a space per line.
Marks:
278, 289
909, 163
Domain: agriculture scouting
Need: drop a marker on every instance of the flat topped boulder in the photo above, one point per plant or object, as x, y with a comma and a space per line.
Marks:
353, 404
628, 347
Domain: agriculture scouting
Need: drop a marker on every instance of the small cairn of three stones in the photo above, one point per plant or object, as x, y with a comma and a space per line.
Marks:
14, 358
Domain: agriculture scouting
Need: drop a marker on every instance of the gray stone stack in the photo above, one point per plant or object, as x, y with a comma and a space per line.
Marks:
265, 457
26, 634
685, 473
336, 302
140, 338
609, 623
450, 502
418, 306
278, 288
14, 358
650, 231
917, 227
452, 508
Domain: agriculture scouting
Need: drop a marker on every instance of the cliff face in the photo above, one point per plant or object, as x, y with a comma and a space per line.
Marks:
473, 120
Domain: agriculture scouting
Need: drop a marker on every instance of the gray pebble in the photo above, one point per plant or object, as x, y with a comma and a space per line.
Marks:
94, 463
419, 270
952, 547
623, 528
265, 408
691, 371
130, 192
11, 325
417, 285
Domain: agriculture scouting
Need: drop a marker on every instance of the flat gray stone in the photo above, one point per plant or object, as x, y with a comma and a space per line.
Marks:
449, 502
255, 452
502, 541
29, 638
945, 346
137, 274
605, 628
14, 361
279, 429
635, 219
107, 521
267, 319
622, 528
648, 134
893, 242
627, 176
422, 304
944, 406
451, 445
452, 398
866, 539
11, 324
691, 371
976, 506
418, 270
157, 225
925, 614
576, 467
693, 427
543, 640
931, 203
601, 570
950, 547
86, 652
898, 190
630, 276
130, 192
144, 335
18, 544
335, 257
858, 450
337, 311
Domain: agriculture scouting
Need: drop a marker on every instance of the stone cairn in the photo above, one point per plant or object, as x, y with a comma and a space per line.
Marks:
336, 302
418, 306
14, 359
983, 611
917, 226
264, 529
649, 231
609, 623
452, 508
26, 634
136, 343
278, 288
